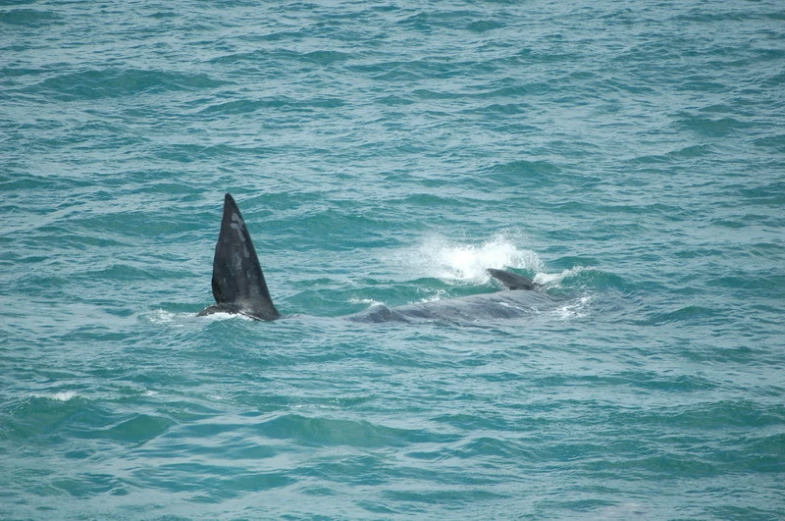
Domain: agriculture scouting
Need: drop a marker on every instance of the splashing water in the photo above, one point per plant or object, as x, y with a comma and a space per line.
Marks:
552, 279
451, 262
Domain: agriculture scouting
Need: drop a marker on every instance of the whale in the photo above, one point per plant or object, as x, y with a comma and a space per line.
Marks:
239, 287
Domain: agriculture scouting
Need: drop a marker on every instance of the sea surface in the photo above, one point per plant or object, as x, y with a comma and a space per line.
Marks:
629, 156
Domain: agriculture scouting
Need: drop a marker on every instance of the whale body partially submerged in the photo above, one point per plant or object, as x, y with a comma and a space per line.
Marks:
239, 287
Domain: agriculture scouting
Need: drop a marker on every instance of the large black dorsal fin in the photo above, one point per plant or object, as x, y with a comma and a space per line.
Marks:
512, 280
238, 281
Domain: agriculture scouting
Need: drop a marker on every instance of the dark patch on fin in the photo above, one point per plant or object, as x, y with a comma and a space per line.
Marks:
238, 282
512, 280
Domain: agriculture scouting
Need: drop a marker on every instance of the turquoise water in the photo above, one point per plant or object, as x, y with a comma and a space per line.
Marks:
630, 156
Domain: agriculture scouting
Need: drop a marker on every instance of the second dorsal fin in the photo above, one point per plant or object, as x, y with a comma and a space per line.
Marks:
512, 280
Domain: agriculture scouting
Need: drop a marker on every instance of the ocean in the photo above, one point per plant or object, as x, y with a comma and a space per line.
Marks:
628, 156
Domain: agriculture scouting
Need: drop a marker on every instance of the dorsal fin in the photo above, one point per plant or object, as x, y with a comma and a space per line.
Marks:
238, 281
512, 280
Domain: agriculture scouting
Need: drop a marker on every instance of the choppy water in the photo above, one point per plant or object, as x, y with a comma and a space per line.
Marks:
629, 155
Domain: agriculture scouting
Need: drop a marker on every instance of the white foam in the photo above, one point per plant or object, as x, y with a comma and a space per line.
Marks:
368, 301
556, 278
434, 297
456, 262
163, 317
576, 308
226, 316
62, 396
160, 316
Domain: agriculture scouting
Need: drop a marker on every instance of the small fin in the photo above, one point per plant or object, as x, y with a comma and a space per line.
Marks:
512, 280
238, 282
